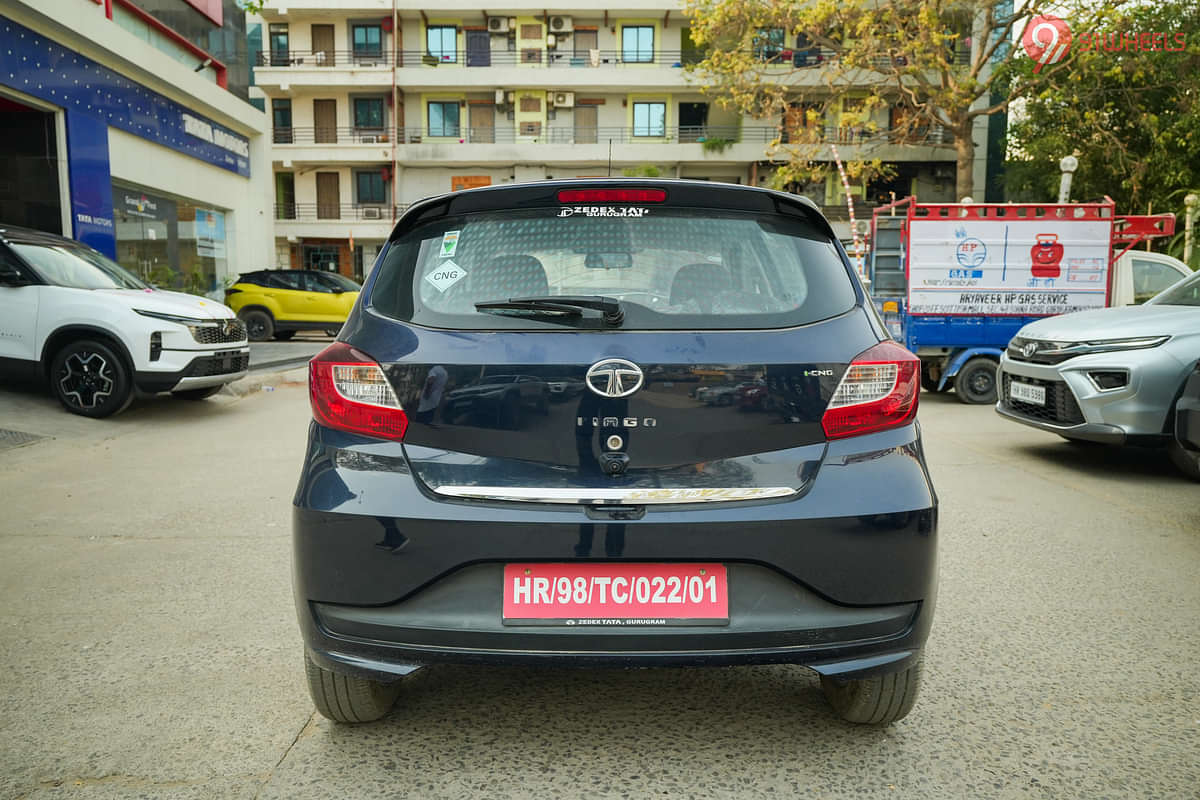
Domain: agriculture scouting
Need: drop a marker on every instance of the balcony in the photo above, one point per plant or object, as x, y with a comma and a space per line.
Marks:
417, 71
594, 145
336, 221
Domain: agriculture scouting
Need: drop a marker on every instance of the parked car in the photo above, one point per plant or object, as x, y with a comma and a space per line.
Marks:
277, 303
1111, 375
98, 335
1187, 426
729, 538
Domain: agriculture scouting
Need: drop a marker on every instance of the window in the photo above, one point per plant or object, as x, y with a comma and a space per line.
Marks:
279, 45
531, 103
281, 121
368, 41
285, 195
1150, 278
680, 268
368, 112
768, 43
637, 43
442, 42
531, 31
369, 188
649, 119
443, 118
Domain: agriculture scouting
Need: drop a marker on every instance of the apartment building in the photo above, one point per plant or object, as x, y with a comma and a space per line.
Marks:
375, 106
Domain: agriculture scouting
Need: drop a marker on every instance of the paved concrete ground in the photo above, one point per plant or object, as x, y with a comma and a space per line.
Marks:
150, 649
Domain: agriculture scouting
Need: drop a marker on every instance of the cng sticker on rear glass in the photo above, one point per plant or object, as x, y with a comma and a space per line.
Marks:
449, 243
446, 275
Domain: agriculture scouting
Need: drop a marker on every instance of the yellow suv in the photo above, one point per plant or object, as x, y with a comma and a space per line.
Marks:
277, 303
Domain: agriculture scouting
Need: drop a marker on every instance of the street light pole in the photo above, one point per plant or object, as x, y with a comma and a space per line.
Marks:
1068, 166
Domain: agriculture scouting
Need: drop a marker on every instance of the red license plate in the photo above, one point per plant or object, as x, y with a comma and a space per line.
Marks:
615, 594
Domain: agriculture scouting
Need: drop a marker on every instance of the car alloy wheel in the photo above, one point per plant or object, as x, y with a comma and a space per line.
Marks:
86, 380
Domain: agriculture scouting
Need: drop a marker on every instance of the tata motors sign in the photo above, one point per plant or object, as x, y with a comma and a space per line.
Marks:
1008, 267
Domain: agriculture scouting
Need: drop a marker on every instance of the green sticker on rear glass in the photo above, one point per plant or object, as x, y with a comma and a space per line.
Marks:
449, 243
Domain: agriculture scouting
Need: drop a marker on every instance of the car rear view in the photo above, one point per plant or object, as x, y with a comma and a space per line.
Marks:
513, 460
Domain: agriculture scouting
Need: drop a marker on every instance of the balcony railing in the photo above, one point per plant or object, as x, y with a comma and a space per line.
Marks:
719, 135
305, 212
547, 57
485, 58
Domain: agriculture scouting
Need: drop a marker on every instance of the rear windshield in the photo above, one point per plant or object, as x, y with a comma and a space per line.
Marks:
669, 268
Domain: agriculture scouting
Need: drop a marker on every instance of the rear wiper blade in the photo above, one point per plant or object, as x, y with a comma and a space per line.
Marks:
568, 305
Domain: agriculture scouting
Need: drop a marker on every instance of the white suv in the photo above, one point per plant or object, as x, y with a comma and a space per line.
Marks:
99, 335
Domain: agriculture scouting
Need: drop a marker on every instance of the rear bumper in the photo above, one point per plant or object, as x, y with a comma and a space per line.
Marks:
457, 619
387, 576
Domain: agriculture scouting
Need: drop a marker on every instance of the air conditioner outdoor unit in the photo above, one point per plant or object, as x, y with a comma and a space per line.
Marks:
372, 212
369, 138
498, 25
561, 25
563, 99
862, 226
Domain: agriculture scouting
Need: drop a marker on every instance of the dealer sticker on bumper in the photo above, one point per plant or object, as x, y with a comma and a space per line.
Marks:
615, 594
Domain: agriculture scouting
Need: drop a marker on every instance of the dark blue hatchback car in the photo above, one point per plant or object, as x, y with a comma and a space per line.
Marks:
614, 422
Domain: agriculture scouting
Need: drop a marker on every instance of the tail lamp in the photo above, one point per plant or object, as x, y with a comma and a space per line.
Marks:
878, 391
349, 392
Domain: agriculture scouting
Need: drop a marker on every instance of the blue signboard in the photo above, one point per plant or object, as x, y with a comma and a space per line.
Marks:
46, 70
91, 182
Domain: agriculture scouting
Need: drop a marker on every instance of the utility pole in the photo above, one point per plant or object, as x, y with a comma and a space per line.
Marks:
1190, 203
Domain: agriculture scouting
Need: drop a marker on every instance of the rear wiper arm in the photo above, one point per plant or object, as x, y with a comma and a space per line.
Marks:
569, 305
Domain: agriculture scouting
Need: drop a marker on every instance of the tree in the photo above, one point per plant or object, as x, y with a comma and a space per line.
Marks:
935, 63
1131, 117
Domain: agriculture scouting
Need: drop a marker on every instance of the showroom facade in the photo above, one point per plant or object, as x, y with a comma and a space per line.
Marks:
122, 144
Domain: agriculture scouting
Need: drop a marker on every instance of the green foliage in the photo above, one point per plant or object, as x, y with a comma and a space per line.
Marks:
716, 144
644, 171
935, 63
1131, 118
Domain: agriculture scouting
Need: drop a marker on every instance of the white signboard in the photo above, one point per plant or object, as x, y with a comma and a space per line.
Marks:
1002, 266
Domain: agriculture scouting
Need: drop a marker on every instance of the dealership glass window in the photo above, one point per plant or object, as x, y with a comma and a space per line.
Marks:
649, 119
443, 118
281, 121
368, 40
637, 43
279, 45
368, 112
370, 188
325, 257
170, 241
441, 41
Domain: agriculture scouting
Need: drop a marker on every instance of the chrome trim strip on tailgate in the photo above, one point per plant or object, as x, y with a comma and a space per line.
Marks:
628, 496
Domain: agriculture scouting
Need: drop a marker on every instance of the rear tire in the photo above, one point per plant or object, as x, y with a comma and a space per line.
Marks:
283, 336
877, 700
197, 394
1185, 460
930, 383
975, 383
348, 698
90, 379
259, 325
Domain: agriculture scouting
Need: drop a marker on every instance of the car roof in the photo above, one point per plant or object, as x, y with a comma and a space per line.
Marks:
683, 192
15, 233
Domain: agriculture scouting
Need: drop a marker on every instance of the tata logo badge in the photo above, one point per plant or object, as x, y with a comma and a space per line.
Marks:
614, 377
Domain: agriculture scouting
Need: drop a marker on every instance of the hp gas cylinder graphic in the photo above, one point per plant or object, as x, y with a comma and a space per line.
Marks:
1047, 255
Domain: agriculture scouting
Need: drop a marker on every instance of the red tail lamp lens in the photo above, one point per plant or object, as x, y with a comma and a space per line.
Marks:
878, 391
349, 392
